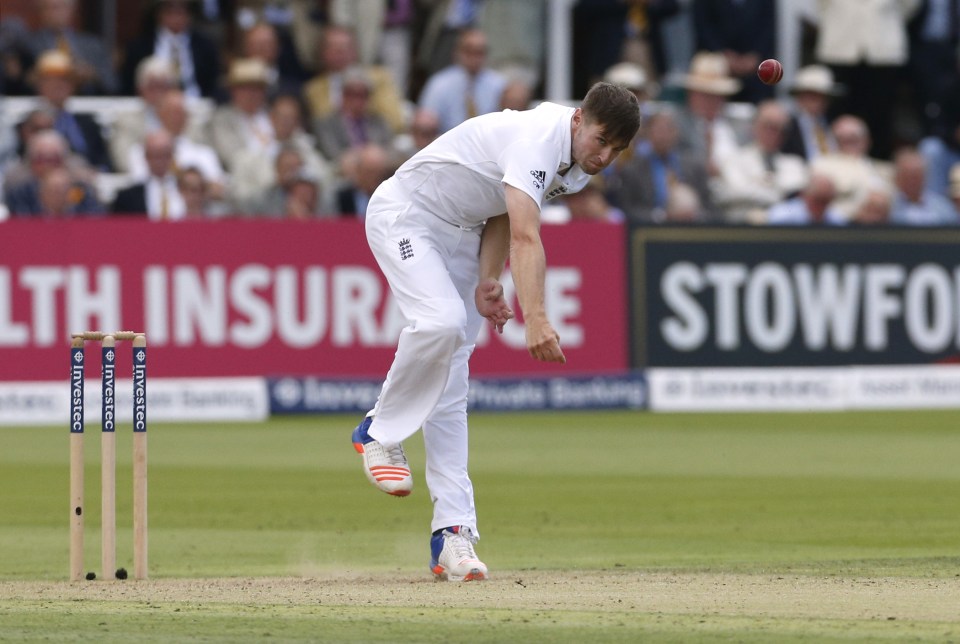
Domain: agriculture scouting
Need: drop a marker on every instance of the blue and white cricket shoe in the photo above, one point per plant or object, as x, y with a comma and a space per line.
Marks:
452, 557
386, 468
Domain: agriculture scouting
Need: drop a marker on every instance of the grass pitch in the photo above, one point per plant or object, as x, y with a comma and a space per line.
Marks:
628, 500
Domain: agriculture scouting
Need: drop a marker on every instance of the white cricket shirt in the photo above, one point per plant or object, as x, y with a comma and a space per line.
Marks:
459, 177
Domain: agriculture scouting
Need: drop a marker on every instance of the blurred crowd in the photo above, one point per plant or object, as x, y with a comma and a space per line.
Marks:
300, 108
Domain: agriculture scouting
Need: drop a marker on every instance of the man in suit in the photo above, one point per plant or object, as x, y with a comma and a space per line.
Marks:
284, 71
744, 31
354, 123
90, 55
158, 197
808, 134
56, 81
243, 124
643, 186
366, 168
705, 128
865, 44
171, 35
25, 195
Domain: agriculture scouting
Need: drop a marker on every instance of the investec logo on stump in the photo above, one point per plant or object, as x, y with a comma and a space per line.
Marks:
109, 386
139, 389
832, 312
76, 390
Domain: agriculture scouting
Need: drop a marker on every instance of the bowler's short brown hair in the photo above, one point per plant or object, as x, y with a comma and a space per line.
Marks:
615, 109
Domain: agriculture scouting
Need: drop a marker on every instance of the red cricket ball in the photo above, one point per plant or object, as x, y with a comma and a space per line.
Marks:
770, 71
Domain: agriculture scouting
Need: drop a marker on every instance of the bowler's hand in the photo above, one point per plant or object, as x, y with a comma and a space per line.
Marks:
491, 303
543, 342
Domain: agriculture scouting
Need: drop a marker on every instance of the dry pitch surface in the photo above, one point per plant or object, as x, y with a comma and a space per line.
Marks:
623, 592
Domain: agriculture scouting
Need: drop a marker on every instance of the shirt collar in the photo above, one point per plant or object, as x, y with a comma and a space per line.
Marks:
566, 156
166, 34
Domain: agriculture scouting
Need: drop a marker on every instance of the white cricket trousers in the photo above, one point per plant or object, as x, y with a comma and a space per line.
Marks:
433, 269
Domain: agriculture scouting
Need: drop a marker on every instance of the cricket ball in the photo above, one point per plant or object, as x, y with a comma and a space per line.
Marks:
770, 71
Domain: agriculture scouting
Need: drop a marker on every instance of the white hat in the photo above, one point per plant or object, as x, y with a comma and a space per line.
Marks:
710, 74
627, 74
815, 78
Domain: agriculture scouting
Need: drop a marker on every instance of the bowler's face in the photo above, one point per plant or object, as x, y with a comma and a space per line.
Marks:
592, 150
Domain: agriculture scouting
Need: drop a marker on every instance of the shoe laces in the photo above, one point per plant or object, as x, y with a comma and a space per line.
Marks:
462, 543
395, 454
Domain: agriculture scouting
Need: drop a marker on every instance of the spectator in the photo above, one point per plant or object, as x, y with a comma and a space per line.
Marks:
758, 175
704, 128
808, 134
303, 198
424, 128
643, 185
254, 172
56, 82
365, 168
933, 63
955, 187
810, 207
35, 121
47, 151
187, 153
285, 74
865, 44
435, 29
466, 88
57, 196
90, 55
651, 24
744, 31
338, 52
382, 28
193, 189
170, 34
157, 197
354, 123
942, 147
296, 21
913, 205
243, 122
852, 169
15, 57
154, 78
284, 197
874, 207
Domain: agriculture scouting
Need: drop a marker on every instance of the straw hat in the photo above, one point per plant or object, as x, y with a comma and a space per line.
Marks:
815, 78
628, 75
710, 74
248, 71
54, 63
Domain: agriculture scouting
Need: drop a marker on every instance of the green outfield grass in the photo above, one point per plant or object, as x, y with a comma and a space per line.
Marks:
832, 494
